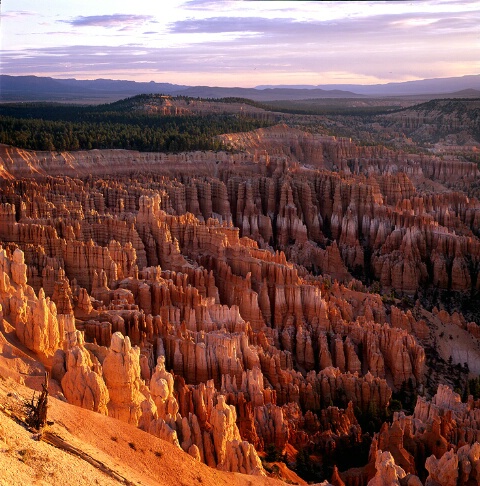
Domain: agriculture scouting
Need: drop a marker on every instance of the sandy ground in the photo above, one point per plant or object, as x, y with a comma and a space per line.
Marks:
457, 343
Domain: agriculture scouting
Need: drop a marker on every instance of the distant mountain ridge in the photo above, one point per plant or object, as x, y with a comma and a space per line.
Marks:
34, 88
268, 94
419, 87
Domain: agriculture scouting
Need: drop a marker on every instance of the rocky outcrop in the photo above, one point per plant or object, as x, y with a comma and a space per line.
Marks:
223, 321
161, 389
232, 453
217, 302
455, 420
83, 384
35, 318
415, 239
388, 473
121, 371
443, 471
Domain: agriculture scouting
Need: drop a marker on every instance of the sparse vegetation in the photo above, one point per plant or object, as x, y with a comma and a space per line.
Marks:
36, 409
405, 399
306, 468
273, 454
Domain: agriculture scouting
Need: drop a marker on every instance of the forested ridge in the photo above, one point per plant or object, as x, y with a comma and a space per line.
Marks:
50, 126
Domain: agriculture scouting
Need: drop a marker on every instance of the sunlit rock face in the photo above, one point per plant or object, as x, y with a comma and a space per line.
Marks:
214, 300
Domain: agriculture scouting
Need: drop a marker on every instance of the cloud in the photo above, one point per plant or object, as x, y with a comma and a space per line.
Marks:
286, 29
18, 13
455, 23
217, 5
215, 59
115, 20
461, 3
216, 25
207, 4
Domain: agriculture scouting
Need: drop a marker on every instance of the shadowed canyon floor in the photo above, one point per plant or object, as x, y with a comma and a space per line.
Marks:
257, 309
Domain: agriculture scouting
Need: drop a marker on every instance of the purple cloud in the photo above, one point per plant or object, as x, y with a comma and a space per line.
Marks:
217, 58
282, 28
114, 20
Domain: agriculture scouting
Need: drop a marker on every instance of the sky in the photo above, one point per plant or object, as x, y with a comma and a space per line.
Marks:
242, 43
